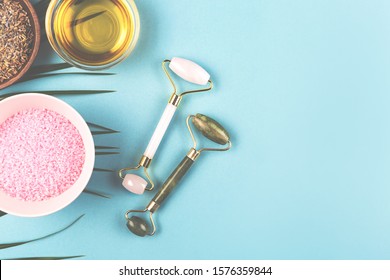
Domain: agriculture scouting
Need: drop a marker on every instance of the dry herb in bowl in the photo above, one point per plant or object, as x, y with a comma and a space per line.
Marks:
19, 39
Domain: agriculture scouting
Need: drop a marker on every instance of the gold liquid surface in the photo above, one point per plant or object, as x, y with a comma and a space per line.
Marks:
94, 32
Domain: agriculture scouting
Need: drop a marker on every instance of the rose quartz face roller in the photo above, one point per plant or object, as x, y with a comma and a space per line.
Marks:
210, 129
190, 72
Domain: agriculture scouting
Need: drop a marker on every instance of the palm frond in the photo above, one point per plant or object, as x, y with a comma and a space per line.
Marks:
8, 245
45, 68
103, 132
40, 76
102, 127
106, 153
41, 3
41, 7
103, 170
59, 92
96, 193
106, 148
45, 258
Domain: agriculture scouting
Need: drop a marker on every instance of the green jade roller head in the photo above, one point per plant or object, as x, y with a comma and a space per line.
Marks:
210, 129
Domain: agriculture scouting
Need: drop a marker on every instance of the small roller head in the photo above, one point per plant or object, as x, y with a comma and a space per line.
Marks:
134, 183
211, 129
138, 226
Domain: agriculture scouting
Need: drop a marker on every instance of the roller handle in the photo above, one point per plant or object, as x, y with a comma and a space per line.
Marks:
160, 130
189, 71
173, 180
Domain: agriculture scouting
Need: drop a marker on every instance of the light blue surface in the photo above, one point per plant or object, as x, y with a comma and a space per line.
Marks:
302, 86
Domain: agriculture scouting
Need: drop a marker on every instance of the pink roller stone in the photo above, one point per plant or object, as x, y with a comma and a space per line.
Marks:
134, 183
189, 71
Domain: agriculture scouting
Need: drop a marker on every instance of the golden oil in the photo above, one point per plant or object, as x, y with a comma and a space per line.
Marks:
94, 32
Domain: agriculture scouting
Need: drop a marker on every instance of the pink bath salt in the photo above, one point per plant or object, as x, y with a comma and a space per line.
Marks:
41, 155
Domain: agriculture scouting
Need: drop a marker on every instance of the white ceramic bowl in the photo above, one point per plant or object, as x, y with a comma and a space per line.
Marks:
15, 206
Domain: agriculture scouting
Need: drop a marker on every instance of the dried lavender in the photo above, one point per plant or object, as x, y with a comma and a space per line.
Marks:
16, 38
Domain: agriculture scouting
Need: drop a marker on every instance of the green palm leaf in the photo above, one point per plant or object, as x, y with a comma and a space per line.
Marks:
103, 170
59, 92
102, 127
8, 245
41, 7
103, 132
45, 68
106, 153
47, 258
96, 193
106, 148
40, 76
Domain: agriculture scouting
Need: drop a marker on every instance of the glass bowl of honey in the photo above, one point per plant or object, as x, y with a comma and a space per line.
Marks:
93, 34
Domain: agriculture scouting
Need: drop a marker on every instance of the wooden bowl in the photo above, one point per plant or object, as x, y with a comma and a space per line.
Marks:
28, 7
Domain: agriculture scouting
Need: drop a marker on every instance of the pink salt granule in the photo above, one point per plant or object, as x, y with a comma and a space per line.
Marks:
41, 155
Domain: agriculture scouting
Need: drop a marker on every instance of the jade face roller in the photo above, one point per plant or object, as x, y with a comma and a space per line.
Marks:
189, 71
210, 129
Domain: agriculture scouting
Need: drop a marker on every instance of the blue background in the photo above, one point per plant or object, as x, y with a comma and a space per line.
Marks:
303, 88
